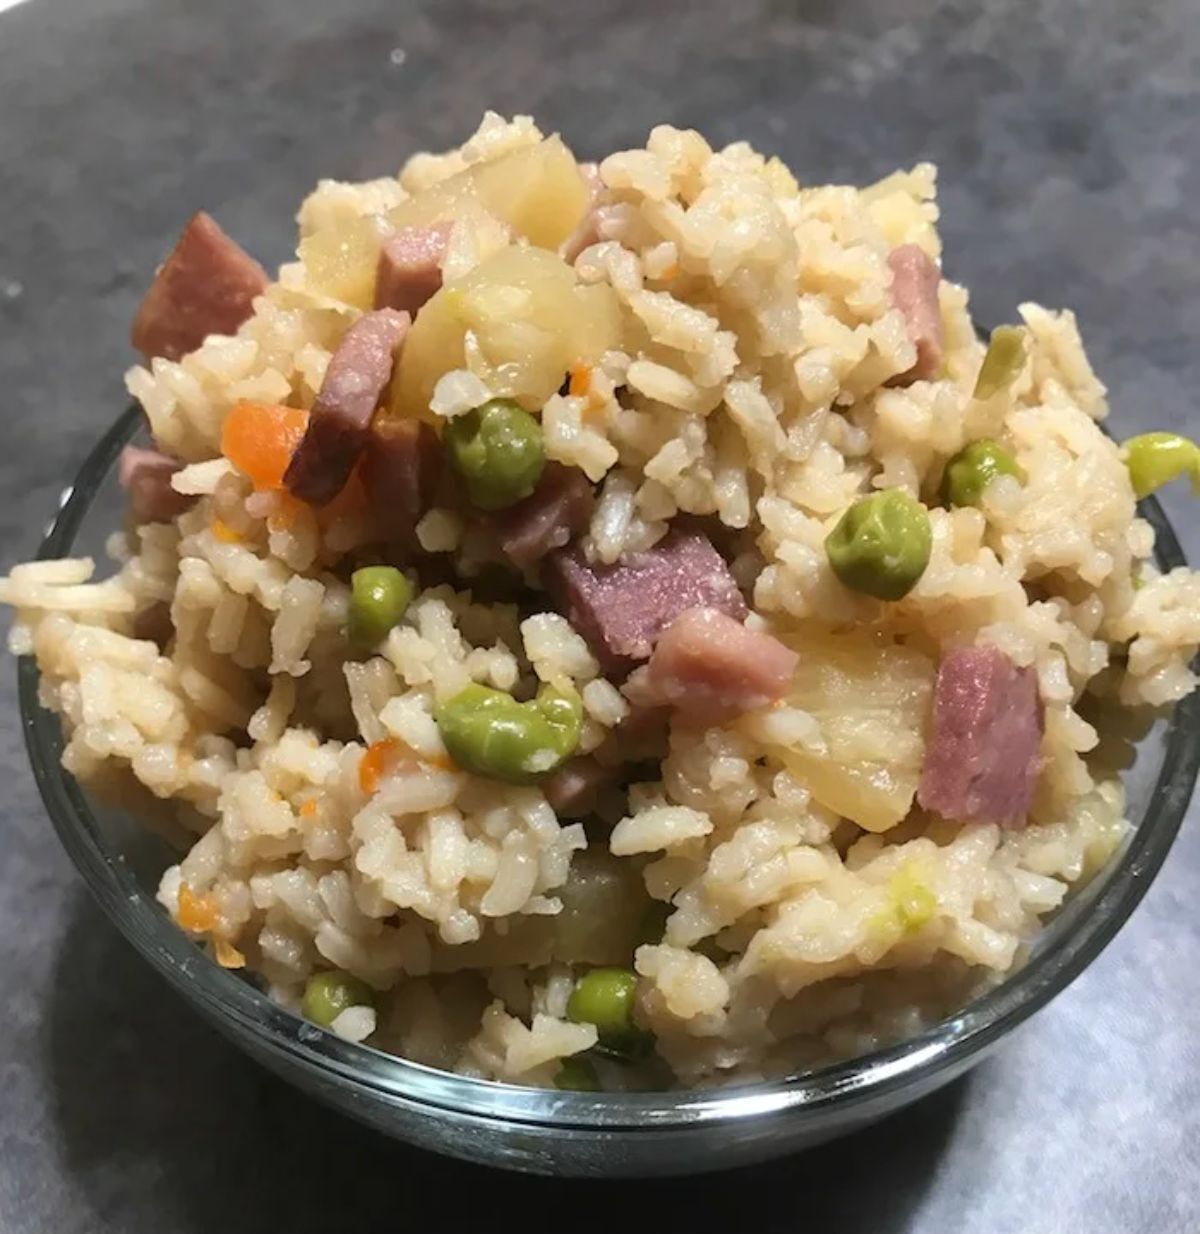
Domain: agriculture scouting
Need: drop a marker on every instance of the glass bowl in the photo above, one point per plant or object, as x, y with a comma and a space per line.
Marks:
576, 1133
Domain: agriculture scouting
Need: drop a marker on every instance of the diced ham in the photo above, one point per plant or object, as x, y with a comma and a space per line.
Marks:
709, 667
915, 280
399, 470
982, 758
410, 267
206, 286
358, 372
145, 475
587, 233
572, 789
622, 609
553, 514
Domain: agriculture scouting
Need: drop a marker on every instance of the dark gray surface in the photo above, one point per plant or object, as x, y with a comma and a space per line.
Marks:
1069, 143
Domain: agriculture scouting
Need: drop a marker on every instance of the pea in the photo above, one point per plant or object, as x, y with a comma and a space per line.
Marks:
379, 596
881, 545
1155, 459
1003, 360
973, 468
498, 451
488, 732
604, 997
579, 1075
328, 994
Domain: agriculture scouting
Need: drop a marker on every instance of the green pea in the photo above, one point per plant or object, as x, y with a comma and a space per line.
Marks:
604, 997
881, 545
973, 468
1002, 362
579, 1075
379, 596
488, 732
328, 994
1155, 459
498, 451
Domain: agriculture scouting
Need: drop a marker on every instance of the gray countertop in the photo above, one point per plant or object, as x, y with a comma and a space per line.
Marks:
1068, 136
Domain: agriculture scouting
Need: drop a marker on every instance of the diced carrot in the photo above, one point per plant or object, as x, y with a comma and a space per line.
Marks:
228, 956
222, 531
197, 913
377, 762
581, 381
581, 387
309, 808
259, 439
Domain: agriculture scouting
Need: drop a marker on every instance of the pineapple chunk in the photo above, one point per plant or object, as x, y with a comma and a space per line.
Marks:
341, 261
529, 322
604, 910
536, 192
872, 700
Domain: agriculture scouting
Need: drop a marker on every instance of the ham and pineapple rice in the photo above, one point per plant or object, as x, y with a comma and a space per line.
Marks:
613, 625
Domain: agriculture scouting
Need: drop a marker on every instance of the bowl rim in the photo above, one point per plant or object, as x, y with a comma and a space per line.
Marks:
231, 1001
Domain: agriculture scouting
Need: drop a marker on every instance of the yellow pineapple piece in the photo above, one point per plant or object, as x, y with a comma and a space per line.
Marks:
529, 320
536, 191
341, 261
872, 700
604, 908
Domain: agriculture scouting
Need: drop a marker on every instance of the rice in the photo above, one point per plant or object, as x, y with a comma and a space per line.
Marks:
752, 383
657, 827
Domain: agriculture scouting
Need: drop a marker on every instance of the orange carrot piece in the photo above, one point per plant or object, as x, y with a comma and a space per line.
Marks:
197, 913
259, 439
228, 956
222, 531
309, 808
581, 381
377, 762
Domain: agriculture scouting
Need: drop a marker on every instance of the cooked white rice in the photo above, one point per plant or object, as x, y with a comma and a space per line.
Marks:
759, 338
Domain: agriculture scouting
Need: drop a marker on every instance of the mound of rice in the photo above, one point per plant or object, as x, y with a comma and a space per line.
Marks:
752, 390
